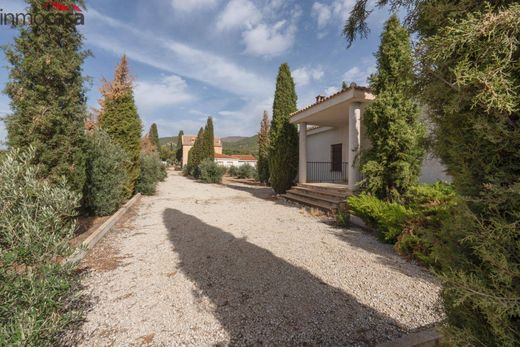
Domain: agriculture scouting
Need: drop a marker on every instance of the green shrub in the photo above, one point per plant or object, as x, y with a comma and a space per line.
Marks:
232, 171
388, 218
211, 172
152, 172
106, 174
246, 171
36, 222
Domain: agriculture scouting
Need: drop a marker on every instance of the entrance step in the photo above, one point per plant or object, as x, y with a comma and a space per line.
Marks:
328, 198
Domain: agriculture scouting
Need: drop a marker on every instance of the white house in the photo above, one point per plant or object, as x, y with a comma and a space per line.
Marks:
234, 160
332, 135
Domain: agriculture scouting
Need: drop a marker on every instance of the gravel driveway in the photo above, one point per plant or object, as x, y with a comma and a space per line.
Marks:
208, 265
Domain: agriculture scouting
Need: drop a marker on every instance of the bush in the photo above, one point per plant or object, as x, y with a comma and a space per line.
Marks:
211, 172
388, 218
36, 222
232, 171
106, 175
246, 171
152, 172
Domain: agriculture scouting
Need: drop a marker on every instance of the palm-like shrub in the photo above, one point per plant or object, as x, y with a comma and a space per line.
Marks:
211, 172
36, 222
106, 174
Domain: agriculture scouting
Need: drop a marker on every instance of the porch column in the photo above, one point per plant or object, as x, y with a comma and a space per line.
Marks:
354, 142
302, 171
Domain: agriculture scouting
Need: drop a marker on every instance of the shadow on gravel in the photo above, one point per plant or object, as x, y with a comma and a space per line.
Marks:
260, 298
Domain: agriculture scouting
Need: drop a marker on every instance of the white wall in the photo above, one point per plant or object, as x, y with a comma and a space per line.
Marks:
233, 162
433, 170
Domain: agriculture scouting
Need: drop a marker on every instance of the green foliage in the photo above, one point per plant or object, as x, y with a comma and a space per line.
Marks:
263, 150
246, 171
388, 218
469, 77
196, 155
393, 163
247, 145
209, 141
36, 222
167, 154
106, 174
119, 118
153, 135
211, 172
152, 172
283, 153
178, 154
48, 96
232, 171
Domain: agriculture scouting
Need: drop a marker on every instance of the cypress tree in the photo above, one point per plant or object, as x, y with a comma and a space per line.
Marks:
119, 118
209, 140
470, 72
263, 150
393, 163
47, 95
153, 135
283, 153
344, 86
178, 154
196, 153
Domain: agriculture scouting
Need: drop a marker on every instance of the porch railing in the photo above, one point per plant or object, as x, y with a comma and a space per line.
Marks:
321, 171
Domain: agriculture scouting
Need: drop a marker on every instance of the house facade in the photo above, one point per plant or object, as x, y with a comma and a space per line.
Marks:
234, 160
332, 137
189, 140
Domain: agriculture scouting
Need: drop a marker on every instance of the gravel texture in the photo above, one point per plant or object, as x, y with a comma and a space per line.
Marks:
205, 265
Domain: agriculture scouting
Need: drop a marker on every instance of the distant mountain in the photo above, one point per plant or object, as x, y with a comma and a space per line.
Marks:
240, 145
230, 144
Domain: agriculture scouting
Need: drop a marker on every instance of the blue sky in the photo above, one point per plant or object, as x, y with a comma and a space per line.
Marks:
194, 58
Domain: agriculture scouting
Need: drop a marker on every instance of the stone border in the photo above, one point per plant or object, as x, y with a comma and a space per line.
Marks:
97, 235
426, 338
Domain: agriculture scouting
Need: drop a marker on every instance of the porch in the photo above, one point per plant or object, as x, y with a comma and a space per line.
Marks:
331, 137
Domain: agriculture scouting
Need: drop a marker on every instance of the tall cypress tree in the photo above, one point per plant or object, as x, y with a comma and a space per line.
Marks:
196, 153
178, 154
263, 150
119, 118
394, 161
209, 140
153, 135
47, 95
283, 153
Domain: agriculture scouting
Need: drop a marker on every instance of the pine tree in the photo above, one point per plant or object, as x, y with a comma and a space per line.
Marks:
469, 56
283, 154
178, 154
263, 150
209, 141
153, 135
119, 118
393, 163
47, 96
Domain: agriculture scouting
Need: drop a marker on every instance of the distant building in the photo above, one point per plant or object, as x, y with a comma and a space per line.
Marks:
235, 160
189, 140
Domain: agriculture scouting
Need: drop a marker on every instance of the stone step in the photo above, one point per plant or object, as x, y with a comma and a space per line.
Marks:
335, 195
334, 198
321, 204
335, 189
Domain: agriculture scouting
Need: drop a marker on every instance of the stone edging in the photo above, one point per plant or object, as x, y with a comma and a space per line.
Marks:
426, 338
97, 235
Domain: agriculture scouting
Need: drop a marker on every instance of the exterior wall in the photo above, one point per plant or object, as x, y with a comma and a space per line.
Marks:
185, 153
433, 170
218, 150
234, 162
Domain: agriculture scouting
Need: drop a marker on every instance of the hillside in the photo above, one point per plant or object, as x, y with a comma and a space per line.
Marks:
231, 144
243, 145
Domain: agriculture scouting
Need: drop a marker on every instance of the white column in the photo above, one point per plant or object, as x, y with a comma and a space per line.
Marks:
354, 144
302, 171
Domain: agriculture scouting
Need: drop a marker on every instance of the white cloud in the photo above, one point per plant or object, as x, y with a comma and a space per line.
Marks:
169, 91
305, 75
359, 75
270, 40
322, 12
326, 14
238, 14
331, 90
191, 5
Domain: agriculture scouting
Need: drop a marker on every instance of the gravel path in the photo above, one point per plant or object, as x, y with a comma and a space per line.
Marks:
208, 265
